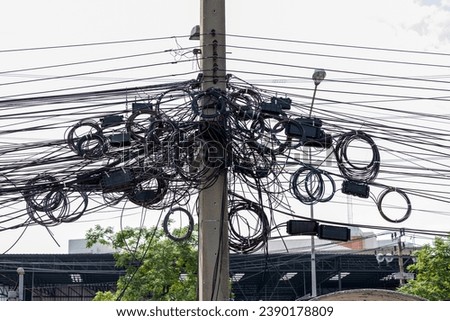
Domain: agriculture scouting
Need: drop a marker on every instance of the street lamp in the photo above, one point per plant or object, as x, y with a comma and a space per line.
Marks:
21, 273
318, 76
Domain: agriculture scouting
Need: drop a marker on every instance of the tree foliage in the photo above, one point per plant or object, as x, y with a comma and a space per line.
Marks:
432, 270
157, 268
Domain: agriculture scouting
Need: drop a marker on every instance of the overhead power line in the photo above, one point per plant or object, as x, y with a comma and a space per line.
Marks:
101, 43
339, 45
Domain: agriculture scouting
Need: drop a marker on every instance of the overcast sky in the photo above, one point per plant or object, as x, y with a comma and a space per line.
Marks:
416, 25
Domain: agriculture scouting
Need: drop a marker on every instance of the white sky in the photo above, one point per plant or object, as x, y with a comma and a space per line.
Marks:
402, 24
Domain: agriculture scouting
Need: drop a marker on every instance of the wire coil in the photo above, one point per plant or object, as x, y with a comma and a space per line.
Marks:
309, 187
246, 237
380, 200
357, 171
182, 233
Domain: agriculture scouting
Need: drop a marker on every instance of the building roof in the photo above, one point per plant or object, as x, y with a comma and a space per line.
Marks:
45, 269
282, 276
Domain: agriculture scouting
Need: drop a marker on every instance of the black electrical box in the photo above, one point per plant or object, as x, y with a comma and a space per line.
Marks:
147, 197
276, 105
312, 127
334, 233
120, 140
139, 107
88, 181
271, 108
111, 120
298, 227
309, 131
309, 128
284, 103
325, 141
117, 180
356, 189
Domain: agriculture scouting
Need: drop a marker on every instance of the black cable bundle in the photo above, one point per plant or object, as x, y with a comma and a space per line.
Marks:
309, 187
244, 236
351, 170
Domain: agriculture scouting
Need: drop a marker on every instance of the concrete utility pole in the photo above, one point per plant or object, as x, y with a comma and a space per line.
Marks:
21, 273
400, 260
213, 203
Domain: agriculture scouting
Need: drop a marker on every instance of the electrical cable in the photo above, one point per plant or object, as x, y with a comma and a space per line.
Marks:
151, 147
338, 45
102, 43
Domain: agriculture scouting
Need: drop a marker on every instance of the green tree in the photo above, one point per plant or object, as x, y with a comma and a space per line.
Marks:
432, 269
157, 268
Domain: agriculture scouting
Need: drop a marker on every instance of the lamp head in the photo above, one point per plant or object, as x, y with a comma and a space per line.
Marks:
195, 33
318, 76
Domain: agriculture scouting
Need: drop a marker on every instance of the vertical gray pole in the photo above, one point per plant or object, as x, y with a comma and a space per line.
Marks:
340, 281
213, 213
400, 262
21, 273
313, 246
313, 261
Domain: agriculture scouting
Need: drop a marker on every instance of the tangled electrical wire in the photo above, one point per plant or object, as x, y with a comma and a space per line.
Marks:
175, 141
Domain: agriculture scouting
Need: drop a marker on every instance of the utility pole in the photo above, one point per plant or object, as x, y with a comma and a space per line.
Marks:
213, 263
21, 273
313, 260
400, 259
